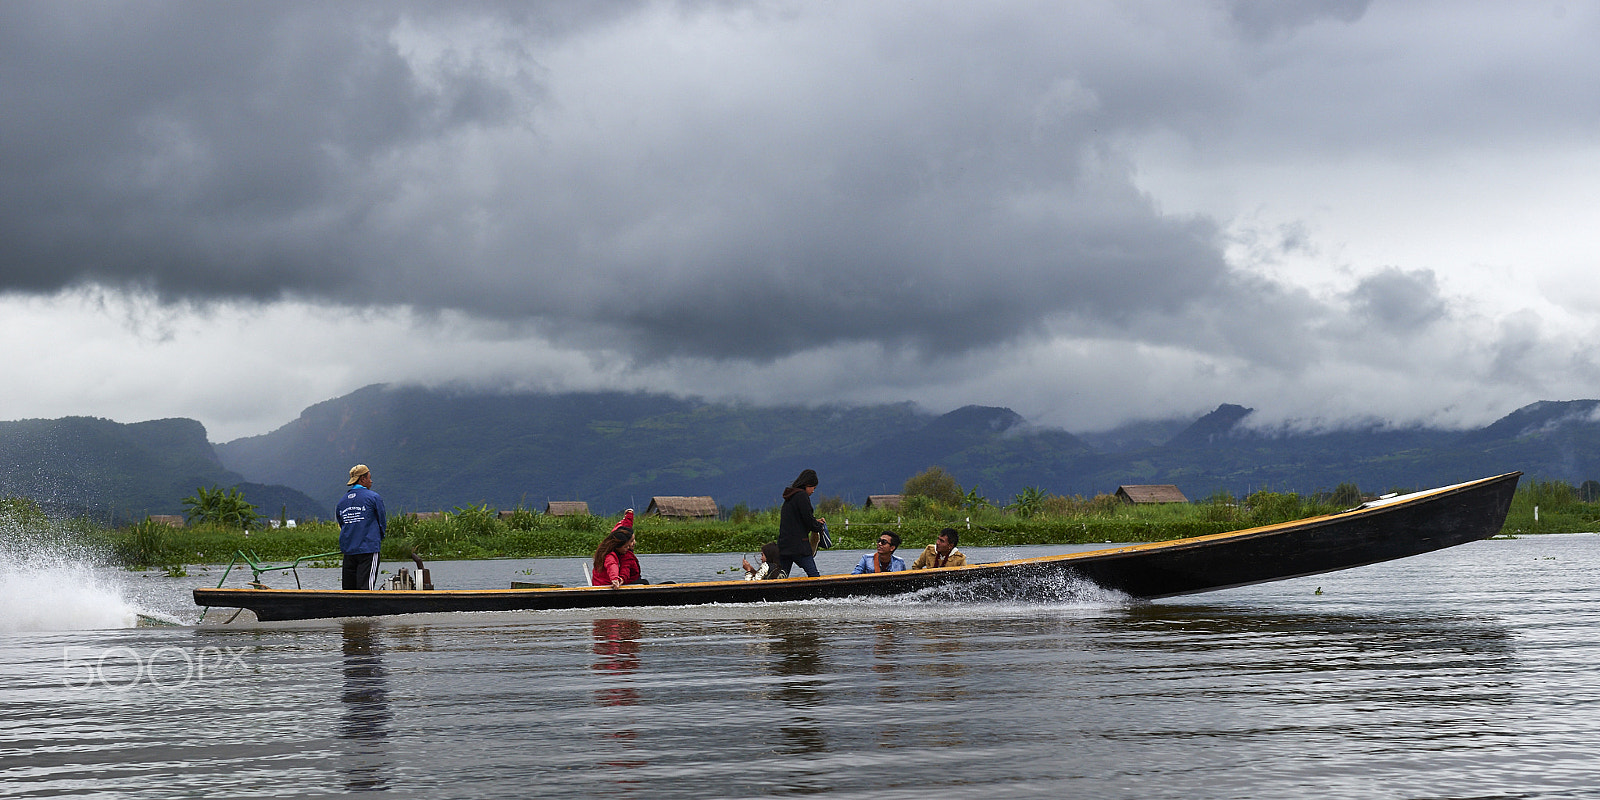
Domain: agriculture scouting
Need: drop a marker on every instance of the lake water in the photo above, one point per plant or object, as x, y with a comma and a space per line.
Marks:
1469, 673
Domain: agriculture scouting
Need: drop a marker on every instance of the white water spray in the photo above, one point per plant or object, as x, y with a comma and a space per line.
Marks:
44, 589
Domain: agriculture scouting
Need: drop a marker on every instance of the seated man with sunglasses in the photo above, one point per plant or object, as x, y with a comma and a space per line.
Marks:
884, 560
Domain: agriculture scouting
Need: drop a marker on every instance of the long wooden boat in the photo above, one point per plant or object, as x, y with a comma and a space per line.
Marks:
1377, 531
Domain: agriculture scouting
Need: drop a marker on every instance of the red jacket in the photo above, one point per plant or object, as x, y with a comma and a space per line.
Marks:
625, 522
617, 564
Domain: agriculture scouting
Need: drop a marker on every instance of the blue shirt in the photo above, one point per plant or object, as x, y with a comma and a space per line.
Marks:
362, 520
896, 564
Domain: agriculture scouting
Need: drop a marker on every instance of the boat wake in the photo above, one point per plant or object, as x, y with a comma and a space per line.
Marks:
1035, 588
43, 589
1045, 587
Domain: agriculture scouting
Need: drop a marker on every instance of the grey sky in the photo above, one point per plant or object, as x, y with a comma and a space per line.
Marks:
1085, 211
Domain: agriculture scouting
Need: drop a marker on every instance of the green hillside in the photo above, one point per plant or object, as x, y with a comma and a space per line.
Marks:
434, 449
438, 449
113, 472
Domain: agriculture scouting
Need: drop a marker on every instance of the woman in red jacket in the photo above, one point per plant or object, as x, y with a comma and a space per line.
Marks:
614, 562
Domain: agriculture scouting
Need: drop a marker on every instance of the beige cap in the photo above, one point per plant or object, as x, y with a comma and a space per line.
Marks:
355, 474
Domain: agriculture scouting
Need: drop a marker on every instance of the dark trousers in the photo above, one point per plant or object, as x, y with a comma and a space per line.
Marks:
360, 570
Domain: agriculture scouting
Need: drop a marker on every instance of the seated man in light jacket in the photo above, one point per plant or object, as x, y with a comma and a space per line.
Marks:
884, 560
942, 553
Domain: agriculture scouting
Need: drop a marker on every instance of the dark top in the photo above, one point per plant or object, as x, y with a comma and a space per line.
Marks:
796, 522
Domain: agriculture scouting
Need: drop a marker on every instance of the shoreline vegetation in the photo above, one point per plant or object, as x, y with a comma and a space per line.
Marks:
482, 532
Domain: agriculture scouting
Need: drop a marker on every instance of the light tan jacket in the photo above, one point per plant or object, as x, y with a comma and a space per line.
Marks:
930, 558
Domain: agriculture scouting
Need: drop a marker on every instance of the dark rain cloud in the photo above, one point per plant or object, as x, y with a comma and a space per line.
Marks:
205, 150
1399, 300
616, 175
1261, 19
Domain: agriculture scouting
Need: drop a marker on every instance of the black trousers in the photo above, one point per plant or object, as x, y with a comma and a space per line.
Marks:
360, 570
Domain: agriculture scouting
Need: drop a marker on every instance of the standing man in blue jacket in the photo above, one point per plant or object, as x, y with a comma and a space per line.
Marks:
362, 523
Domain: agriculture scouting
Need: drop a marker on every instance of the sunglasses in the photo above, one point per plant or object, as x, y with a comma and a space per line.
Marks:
885, 541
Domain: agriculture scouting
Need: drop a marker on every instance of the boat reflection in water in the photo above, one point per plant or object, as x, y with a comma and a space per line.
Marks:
617, 643
795, 661
364, 726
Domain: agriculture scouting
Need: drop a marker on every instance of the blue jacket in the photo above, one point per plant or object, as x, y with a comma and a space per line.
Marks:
362, 521
896, 564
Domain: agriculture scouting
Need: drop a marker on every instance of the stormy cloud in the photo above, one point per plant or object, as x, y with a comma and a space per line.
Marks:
701, 197
768, 187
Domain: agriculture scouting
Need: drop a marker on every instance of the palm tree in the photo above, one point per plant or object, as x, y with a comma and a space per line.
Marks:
225, 508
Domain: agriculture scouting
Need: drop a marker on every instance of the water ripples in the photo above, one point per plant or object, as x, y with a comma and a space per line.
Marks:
1466, 673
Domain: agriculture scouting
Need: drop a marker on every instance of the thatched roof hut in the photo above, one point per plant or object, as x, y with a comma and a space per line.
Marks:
889, 501
1139, 494
567, 508
171, 520
687, 507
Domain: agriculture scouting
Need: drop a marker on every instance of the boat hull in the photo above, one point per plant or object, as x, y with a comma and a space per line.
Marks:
1398, 528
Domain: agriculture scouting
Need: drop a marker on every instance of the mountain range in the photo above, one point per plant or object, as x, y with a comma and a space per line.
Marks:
114, 472
435, 449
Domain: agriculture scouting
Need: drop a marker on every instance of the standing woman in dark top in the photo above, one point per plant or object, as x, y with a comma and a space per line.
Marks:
796, 523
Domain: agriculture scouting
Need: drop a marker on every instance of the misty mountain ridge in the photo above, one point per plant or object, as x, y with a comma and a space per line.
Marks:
1545, 418
436, 449
114, 472
442, 448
